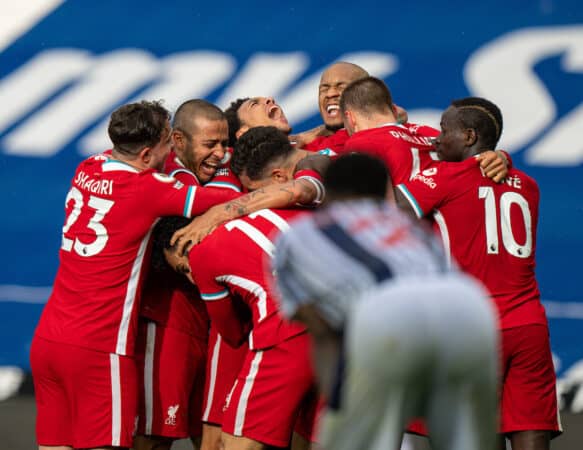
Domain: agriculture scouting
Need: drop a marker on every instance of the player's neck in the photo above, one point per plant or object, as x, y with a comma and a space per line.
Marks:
375, 121
134, 162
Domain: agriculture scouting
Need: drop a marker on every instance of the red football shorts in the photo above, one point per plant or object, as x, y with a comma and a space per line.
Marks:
270, 391
84, 398
529, 397
223, 365
171, 371
312, 407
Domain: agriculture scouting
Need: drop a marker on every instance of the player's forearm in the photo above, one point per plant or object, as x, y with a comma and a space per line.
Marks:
284, 195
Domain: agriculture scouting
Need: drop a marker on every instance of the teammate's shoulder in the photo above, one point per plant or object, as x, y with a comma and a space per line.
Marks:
152, 176
421, 130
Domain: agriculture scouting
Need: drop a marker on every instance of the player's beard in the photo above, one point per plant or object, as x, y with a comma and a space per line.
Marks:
187, 158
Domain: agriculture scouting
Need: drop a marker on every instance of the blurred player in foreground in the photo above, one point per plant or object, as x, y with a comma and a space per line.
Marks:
397, 334
490, 230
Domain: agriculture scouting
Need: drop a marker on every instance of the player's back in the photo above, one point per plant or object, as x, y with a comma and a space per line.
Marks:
349, 248
110, 210
491, 231
403, 151
239, 249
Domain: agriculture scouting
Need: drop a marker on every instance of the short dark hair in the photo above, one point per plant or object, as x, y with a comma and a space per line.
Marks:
161, 235
483, 116
233, 120
137, 125
367, 95
257, 148
192, 109
356, 175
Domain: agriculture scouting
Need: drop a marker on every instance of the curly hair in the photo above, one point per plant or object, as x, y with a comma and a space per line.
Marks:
233, 120
257, 148
161, 235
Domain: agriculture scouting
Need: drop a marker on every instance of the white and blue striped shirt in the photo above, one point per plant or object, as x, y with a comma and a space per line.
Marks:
337, 254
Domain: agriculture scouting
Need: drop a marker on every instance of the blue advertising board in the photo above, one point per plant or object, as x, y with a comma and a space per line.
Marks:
62, 76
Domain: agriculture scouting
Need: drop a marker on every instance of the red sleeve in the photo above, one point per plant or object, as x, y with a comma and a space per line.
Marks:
185, 176
166, 196
206, 260
508, 158
334, 142
204, 198
427, 190
422, 130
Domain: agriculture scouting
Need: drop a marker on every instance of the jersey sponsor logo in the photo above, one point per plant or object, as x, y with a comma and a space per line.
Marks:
428, 181
171, 415
430, 172
222, 172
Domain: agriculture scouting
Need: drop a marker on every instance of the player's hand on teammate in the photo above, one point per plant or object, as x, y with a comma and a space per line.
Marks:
401, 114
200, 227
306, 137
494, 164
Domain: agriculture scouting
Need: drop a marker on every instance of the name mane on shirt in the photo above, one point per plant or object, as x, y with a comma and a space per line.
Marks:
92, 185
420, 140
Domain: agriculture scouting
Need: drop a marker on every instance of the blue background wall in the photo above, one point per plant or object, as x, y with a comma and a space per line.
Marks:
60, 80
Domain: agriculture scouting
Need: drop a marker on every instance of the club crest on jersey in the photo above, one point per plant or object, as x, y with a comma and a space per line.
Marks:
171, 419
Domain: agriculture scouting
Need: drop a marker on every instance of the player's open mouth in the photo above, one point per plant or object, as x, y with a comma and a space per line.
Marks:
274, 112
209, 167
333, 110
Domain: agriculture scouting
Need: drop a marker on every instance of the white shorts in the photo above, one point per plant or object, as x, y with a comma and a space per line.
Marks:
418, 347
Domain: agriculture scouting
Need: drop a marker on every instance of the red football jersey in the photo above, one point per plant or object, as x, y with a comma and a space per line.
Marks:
403, 152
180, 306
334, 142
224, 176
489, 229
422, 130
171, 300
229, 262
110, 210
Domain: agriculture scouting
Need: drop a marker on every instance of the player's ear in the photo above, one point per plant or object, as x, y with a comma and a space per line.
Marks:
471, 136
349, 121
279, 175
145, 156
178, 139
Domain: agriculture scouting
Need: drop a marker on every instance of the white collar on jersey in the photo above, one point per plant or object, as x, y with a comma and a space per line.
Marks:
113, 164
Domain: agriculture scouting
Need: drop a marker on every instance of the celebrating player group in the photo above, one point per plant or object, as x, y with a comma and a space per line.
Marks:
224, 280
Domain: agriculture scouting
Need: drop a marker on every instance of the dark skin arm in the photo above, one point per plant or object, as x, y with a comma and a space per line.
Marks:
404, 204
